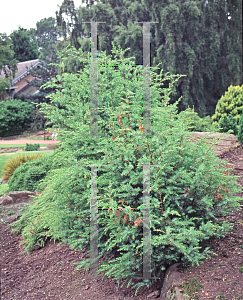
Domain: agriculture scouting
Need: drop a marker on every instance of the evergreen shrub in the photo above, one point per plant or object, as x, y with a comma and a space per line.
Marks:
180, 221
32, 147
197, 124
240, 130
15, 117
29, 174
11, 165
228, 124
230, 103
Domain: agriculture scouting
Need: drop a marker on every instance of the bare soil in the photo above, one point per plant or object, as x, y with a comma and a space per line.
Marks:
28, 141
48, 273
30, 138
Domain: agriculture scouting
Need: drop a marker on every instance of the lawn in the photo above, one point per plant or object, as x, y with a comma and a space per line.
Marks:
4, 157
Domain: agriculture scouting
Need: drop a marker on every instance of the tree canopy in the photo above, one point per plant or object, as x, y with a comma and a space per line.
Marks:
47, 34
200, 39
24, 45
8, 64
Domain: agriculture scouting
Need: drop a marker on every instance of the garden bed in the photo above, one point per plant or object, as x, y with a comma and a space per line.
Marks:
48, 273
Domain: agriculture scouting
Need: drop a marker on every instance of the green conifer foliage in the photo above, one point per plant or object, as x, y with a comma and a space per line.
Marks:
180, 221
228, 124
28, 175
240, 130
230, 103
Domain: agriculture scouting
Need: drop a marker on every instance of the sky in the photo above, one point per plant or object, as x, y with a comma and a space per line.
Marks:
27, 12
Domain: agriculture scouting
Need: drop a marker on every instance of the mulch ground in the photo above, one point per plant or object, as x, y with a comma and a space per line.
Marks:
48, 273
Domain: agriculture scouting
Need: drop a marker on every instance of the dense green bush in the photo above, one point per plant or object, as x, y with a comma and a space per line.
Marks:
240, 130
4, 189
15, 117
28, 175
228, 124
32, 147
180, 222
230, 103
39, 121
11, 165
4, 87
197, 124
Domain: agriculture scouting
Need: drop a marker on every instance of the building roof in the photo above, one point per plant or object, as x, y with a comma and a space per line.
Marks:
22, 69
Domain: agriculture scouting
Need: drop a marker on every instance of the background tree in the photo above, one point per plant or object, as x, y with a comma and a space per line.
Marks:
47, 34
4, 86
197, 42
24, 45
8, 64
226, 19
192, 38
115, 15
232, 41
68, 21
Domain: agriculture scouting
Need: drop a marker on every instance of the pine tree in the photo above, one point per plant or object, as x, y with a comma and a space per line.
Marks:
195, 38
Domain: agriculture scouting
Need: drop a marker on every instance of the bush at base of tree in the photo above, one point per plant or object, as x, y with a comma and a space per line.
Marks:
230, 103
228, 124
15, 117
240, 130
197, 124
39, 121
179, 220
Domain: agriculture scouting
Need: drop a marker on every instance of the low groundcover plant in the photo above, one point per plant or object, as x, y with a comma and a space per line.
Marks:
179, 221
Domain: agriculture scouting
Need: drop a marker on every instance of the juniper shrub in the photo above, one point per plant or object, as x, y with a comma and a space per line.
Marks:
179, 222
